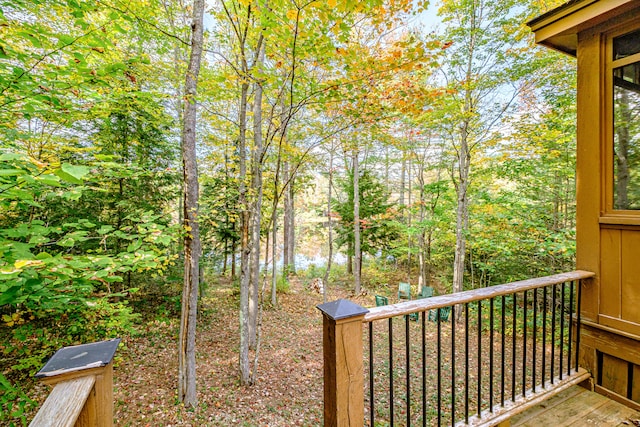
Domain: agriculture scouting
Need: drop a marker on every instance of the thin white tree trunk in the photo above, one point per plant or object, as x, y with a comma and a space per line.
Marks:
245, 243
187, 339
325, 280
356, 224
256, 191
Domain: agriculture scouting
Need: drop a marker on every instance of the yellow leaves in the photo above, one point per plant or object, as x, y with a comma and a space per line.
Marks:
332, 3
245, 3
292, 14
21, 263
14, 319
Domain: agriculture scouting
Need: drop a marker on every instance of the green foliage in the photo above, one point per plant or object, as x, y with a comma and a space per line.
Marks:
14, 403
220, 213
47, 265
58, 275
378, 227
282, 284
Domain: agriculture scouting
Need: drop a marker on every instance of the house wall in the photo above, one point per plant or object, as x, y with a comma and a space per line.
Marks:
608, 241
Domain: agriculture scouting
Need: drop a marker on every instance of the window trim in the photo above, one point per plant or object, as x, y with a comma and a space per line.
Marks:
609, 214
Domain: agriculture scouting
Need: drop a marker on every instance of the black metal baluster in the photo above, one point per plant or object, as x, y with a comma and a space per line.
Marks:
578, 326
562, 310
534, 339
554, 303
479, 358
371, 375
524, 347
391, 371
491, 308
570, 312
466, 363
453, 366
424, 371
502, 348
544, 334
439, 355
513, 348
407, 366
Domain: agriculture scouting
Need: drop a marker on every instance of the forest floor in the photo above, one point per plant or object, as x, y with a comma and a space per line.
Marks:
289, 387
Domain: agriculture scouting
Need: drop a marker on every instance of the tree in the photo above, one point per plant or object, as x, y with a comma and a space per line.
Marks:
376, 222
486, 46
187, 340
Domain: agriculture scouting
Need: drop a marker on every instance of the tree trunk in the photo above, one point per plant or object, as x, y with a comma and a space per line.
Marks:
245, 243
286, 231
461, 210
408, 210
187, 342
464, 165
274, 274
325, 280
356, 224
422, 274
256, 191
290, 215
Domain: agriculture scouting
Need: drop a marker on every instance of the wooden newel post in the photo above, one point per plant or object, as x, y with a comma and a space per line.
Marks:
343, 366
82, 381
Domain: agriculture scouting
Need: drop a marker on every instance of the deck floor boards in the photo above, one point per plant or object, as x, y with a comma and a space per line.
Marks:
576, 407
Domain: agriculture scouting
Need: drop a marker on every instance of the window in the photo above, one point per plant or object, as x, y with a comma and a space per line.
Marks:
626, 121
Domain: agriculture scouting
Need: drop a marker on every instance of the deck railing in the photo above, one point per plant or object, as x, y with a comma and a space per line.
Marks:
503, 349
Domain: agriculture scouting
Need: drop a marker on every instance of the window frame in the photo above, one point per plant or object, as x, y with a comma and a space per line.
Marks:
609, 214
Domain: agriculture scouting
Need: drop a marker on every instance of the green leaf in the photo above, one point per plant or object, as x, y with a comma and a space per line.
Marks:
8, 296
51, 180
77, 172
11, 172
67, 177
10, 156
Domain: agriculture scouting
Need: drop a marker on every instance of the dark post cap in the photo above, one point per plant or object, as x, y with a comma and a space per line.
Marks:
341, 309
79, 357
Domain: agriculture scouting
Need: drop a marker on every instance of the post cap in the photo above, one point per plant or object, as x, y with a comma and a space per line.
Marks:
79, 357
341, 309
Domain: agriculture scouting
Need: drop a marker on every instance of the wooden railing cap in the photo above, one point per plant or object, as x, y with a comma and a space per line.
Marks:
342, 309
79, 357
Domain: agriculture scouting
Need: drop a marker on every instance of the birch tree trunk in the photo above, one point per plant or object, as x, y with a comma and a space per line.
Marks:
289, 219
256, 205
464, 166
187, 340
462, 215
356, 224
245, 247
325, 280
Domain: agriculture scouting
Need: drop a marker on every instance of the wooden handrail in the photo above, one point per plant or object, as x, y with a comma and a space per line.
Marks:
419, 305
64, 404
82, 381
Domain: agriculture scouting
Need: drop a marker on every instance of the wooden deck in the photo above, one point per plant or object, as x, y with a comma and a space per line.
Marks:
577, 406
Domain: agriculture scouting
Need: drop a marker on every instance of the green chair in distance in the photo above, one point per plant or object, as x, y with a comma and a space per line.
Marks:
380, 301
445, 312
427, 292
404, 293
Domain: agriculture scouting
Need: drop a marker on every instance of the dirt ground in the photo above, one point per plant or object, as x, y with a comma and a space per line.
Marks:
289, 388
